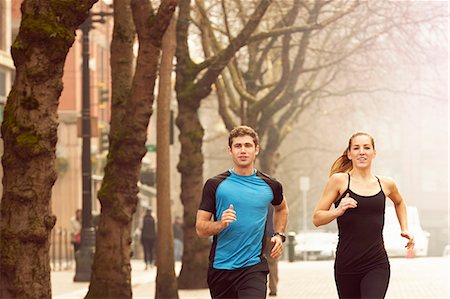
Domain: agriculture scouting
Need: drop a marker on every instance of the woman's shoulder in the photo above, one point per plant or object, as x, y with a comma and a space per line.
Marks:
338, 182
339, 177
386, 180
388, 184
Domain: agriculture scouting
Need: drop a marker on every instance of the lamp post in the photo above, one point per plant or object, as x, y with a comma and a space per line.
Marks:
304, 187
85, 255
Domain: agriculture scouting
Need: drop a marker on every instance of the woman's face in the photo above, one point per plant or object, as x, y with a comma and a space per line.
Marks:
361, 151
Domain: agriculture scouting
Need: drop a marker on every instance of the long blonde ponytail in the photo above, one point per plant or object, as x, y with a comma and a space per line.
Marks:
343, 163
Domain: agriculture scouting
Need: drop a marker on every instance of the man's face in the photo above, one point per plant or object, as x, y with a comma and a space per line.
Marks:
243, 151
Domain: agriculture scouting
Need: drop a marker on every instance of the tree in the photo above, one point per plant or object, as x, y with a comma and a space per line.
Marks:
111, 271
29, 131
295, 57
193, 84
289, 67
166, 282
261, 89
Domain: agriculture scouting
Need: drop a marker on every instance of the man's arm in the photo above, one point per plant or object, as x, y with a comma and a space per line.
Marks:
280, 217
280, 214
206, 227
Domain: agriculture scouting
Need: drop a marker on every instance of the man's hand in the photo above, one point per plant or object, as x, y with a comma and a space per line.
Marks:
228, 216
277, 248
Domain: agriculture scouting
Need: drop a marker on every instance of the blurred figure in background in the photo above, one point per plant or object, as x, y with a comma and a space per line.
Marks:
178, 238
362, 267
75, 230
148, 238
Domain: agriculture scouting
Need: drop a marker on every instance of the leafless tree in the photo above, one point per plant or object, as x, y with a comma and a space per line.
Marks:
193, 84
111, 271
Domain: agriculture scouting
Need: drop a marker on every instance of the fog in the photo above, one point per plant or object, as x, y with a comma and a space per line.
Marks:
409, 121
404, 105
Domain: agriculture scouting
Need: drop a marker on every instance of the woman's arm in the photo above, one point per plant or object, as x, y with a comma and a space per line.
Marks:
400, 210
322, 213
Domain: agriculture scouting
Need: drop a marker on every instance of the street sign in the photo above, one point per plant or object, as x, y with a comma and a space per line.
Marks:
151, 148
304, 183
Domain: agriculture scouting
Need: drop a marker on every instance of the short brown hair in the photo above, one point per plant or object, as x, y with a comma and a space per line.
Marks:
243, 131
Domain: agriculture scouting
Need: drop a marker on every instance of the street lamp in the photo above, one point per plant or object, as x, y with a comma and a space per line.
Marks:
304, 187
85, 255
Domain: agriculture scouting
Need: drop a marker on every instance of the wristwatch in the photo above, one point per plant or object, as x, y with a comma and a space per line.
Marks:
282, 235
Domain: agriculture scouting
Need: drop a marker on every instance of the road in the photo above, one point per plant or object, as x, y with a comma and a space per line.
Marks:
410, 278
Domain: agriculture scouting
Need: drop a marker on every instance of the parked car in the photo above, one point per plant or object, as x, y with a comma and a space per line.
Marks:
316, 245
394, 243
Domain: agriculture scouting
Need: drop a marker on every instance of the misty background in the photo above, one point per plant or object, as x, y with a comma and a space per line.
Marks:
401, 99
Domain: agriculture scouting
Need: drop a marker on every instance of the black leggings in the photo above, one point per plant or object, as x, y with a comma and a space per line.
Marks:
371, 284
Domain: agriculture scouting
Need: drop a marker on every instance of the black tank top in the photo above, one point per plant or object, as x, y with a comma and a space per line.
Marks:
361, 247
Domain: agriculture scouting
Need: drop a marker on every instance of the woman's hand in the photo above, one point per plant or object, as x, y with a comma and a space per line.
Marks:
410, 244
346, 203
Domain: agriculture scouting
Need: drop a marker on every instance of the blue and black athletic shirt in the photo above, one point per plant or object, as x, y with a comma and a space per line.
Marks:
241, 243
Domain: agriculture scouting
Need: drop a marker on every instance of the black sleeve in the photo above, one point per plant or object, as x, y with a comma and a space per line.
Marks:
276, 187
277, 193
208, 202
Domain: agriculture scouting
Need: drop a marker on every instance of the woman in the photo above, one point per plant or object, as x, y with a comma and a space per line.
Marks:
361, 267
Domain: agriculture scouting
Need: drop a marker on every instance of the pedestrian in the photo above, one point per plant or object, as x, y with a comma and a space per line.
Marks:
178, 238
272, 262
233, 210
361, 267
148, 238
75, 230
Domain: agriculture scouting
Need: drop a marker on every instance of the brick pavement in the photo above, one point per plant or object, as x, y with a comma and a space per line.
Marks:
418, 278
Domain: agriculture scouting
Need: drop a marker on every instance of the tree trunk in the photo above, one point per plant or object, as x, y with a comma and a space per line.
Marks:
118, 271
111, 271
29, 131
268, 159
166, 282
195, 250
192, 87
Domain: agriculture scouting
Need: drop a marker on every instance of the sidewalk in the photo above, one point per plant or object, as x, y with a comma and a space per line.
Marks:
142, 281
410, 278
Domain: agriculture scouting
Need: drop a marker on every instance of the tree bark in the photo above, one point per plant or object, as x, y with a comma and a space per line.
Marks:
29, 131
103, 269
166, 281
111, 272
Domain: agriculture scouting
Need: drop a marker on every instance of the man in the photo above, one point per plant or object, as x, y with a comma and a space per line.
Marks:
148, 237
234, 210
178, 238
75, 230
